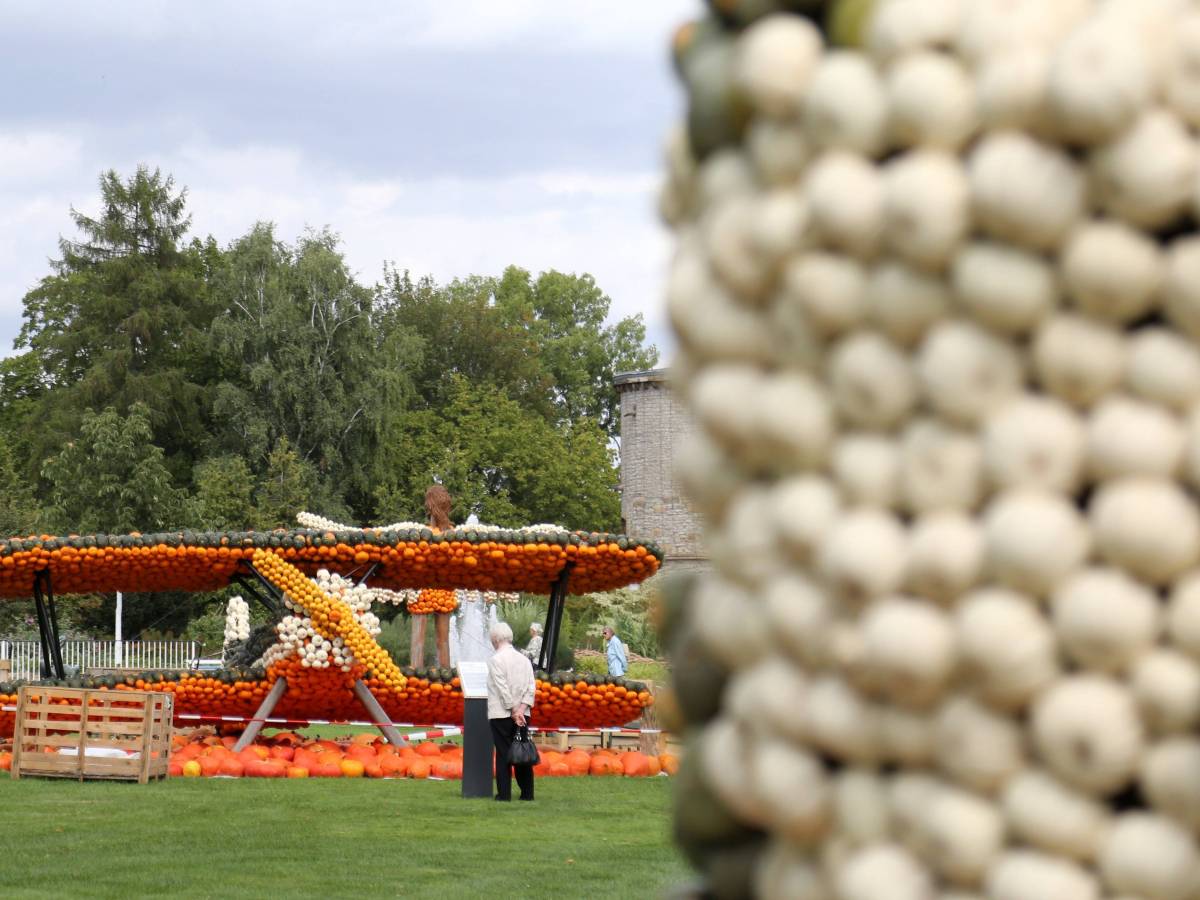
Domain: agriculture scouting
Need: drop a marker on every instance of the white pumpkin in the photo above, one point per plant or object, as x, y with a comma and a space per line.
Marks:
941, 468
1183, 615
845, 198
860, 803
800, 617
1166, 686
774, 61
1181, 287
1112, 271
965, 834
904, 302
778, 151
883, 872
907, 737
1131, 437
931, 101
864, 555
1164, 368
1034, 442
1147, 526
1033, 540
840, 722
926, 208
784, 872
866, 467
965, 372
767, 697
1146, 176
1044, 813
908, 647
1004, 288
976, 747
1025, 874
945, 555
1024, 191
1182, 87
1006, 646
846, 105
872, 382
804, 507
896, 27
1010, 89
794, 423
793, 789
1168, 779
1104, 619
1151, 856
828, 289
727, 623
1087, 731
1078, 360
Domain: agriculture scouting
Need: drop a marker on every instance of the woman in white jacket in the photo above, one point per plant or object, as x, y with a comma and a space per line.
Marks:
510, 700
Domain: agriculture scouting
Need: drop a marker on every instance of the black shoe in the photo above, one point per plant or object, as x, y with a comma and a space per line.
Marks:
527, 799
503, 799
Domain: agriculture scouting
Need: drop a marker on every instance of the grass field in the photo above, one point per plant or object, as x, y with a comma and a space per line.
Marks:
583, 837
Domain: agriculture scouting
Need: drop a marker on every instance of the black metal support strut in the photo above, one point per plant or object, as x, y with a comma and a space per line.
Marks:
554, 614
47, 616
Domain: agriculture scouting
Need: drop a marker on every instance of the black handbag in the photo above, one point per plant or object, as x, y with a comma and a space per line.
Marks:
522, 751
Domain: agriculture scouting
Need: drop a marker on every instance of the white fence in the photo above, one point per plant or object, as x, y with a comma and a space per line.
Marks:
26, 656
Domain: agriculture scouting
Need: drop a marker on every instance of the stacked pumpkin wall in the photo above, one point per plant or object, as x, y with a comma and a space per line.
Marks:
936, 289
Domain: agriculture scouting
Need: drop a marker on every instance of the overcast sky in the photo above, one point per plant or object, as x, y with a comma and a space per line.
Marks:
452, 137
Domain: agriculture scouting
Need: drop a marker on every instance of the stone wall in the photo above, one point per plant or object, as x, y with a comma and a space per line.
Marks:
653, 423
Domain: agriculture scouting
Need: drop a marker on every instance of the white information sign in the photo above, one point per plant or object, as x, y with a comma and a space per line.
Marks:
472, 677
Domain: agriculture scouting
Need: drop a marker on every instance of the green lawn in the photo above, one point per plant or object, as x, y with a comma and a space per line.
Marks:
583, 837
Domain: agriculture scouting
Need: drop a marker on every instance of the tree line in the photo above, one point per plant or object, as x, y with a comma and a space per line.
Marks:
163, 381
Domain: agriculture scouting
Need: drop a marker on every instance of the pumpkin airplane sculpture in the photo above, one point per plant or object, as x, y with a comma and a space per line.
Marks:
326, 663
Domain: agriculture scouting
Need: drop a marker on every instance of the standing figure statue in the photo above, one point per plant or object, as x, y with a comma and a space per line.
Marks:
437, 510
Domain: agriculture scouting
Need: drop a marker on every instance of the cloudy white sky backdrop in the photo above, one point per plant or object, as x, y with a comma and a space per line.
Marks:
452, 137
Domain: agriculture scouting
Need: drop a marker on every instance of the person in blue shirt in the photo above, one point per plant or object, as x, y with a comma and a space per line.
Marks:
618, 662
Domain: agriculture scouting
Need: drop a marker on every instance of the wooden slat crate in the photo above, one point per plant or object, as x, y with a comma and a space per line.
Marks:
85, 733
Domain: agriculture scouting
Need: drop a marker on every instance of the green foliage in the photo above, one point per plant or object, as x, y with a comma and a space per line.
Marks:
286, 487
223, 494
638, 671
626, 610
111, 479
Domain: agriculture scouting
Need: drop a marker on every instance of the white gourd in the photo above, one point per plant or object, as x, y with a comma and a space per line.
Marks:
1026, 874
965, 372
883, 872
1131, 437
1100, 80
1166, 686
778, 151
945, 555
908, 648
1148, 526
926, 207
1046, 814
992, 26
706, 475
1183, 615
1087, 731
785, 873
793, 789
941, 468
724, 175
871, 381
1104, 619
965, 834
804, 507
794, 424
738, 262
709, 323
1078, 360
1181, 286
1003, 288
1151, 856
1112, 271
860, 804
767, 696
1034, 442
718, 397
846, 105
1147, 175
866, 468
1182, 82
828, 289
1024, 191
800, 616
977, 747
840, 722
774, 61
1164, 368
845, 198
726, 622
779, 226
1010, 89
1033, 539
1006, 646
931, 101
864, 555
906, 737
897, 27
910, 792
1168, 779
904, 302
743, 549
721, 741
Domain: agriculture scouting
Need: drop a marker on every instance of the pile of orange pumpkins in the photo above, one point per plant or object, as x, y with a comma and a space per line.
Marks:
288, 755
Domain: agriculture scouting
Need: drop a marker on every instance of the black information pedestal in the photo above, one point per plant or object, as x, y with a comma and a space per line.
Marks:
477, 749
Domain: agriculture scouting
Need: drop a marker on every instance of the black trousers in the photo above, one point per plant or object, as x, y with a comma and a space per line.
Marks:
503, 732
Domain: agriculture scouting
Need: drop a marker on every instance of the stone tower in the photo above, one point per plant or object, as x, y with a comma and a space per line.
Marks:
653, 424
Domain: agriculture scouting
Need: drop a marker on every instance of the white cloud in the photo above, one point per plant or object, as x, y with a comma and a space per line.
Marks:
36, 156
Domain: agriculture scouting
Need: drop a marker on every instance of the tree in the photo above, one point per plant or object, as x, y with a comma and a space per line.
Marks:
121, 319
300, 357
19, 514
223, 498
286, 488
112, 479
504, 463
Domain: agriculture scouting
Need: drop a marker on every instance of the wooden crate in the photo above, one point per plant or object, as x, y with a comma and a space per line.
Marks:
5, 669
85, 733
